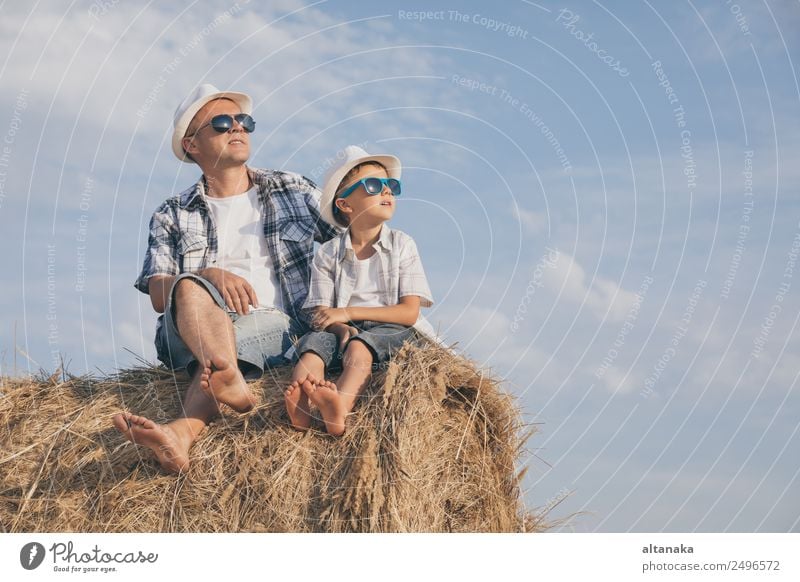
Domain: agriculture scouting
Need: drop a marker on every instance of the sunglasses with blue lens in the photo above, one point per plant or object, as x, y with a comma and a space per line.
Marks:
373, 186
224, 122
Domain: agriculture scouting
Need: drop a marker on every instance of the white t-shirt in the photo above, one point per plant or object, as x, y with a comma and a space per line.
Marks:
243, 247
365, 288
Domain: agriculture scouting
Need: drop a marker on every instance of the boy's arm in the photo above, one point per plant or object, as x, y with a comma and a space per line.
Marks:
322, 289
404, 313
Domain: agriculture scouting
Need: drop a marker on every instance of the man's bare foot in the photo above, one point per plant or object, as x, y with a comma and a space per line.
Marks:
161, 439
326, 397
297, 405
225, 383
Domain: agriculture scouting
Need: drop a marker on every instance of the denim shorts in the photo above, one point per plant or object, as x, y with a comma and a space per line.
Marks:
262, 336
382, 339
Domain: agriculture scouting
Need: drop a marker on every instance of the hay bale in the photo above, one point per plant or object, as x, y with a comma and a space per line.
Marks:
432, 446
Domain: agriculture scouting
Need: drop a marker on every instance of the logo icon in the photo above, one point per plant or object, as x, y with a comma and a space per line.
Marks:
31, 555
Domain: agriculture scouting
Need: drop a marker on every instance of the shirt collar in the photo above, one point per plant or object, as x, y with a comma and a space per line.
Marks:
197, 193
384, 241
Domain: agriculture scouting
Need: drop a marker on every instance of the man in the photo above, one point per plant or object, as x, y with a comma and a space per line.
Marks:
228, 265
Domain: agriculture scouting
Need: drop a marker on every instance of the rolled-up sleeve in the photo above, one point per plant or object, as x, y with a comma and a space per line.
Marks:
322, 290
323, 231
161, 257
412, 276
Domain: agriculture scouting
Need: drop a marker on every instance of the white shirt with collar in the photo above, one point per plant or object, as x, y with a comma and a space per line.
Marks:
335, 274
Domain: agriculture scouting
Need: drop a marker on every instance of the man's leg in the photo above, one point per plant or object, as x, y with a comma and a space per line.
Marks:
171, 442
208, 332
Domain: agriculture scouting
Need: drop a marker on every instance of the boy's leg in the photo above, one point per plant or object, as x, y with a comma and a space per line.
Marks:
309, 368
356, 372
316, 350
336, 401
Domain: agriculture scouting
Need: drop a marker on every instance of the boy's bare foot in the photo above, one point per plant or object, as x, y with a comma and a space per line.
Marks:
297, 406
326, 397
161, 439
225, 383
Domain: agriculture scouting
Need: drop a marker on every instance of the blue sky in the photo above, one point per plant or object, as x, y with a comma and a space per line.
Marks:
604, 196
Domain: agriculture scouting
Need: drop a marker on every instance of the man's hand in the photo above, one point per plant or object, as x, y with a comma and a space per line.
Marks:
325, 316
236, 291
343, 332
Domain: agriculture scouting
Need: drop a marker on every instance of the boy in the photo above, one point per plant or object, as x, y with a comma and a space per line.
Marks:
367, 286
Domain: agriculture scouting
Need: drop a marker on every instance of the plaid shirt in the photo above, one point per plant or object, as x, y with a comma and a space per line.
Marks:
334, 272
183, 236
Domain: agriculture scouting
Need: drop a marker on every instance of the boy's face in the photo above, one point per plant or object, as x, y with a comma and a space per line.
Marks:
367, 209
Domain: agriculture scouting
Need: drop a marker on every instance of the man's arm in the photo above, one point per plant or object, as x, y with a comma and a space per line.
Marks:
323, 231
235, 290
159, 286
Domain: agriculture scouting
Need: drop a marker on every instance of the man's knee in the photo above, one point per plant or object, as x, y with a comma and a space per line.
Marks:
188, 291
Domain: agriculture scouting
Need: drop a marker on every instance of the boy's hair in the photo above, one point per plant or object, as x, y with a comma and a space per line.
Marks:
344, 182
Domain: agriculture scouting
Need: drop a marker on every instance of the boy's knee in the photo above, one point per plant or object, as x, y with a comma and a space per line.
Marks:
358, 351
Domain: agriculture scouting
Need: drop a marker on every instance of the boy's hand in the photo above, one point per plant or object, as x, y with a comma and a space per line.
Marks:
325, 316
343, 332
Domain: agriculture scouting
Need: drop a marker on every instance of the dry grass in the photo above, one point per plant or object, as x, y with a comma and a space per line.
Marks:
433, 446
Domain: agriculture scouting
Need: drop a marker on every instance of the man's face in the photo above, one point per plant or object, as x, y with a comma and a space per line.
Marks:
211, 149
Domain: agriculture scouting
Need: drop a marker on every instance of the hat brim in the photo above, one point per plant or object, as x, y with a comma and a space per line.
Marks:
244, 102
393, 169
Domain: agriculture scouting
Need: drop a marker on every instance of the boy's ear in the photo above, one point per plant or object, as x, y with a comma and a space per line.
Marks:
341, 204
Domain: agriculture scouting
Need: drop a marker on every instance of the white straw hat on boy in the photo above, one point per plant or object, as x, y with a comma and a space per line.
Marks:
346, 160
193, 103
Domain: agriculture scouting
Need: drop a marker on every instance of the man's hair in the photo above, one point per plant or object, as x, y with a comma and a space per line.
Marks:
344, 182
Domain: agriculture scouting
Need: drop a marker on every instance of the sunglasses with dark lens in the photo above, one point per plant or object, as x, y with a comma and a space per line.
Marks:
224, 122
373, 186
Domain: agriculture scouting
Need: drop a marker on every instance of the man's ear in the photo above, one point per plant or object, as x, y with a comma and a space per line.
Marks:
188, 145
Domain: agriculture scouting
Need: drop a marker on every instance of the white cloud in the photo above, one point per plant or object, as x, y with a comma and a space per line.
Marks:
532, 222
603, 297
